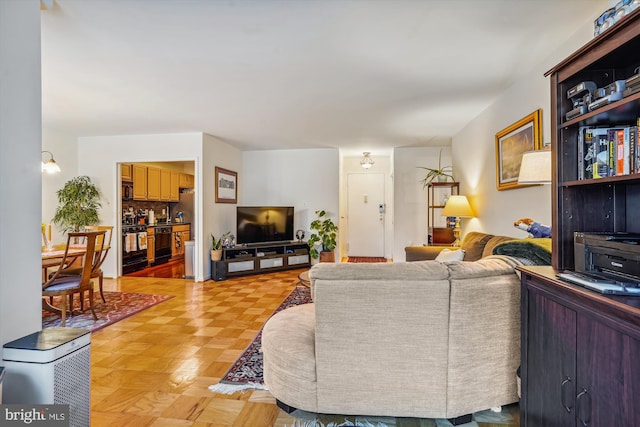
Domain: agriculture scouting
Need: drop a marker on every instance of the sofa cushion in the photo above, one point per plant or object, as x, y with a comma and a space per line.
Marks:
486, 267
450, 255
473, 245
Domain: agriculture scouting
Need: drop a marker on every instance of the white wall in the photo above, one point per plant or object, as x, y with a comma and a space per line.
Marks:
21, 180
98, 158
474, 150
217, 218
64, 148
410, 198
306, 179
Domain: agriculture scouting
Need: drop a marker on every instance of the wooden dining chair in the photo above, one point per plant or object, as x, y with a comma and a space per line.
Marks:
67, 286
103, 244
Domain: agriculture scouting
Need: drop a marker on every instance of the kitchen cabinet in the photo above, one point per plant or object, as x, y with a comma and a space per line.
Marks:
151, 245
186, 180
139, 174
165, 185
153, 183
180, 234
125, 172
174, 191
579, 354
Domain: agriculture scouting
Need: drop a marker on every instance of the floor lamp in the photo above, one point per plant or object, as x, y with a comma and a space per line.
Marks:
458, 207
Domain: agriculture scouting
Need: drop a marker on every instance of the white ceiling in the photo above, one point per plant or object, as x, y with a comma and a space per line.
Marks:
265, 74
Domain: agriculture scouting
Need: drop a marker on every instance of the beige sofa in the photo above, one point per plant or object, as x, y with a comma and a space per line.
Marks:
421, 339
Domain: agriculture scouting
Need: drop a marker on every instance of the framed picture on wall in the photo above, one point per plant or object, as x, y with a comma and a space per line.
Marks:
226, 186
511, 143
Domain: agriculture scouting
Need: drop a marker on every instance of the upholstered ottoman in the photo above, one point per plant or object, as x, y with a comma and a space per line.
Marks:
289, 357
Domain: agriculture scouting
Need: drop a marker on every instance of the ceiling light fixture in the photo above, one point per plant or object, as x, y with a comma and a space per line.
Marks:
366, 161
50, 166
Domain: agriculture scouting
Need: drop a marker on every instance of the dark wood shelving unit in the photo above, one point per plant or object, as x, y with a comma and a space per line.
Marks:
578, 348
438, 233
261, 258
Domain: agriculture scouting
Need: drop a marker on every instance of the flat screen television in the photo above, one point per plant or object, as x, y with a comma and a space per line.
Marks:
262, 224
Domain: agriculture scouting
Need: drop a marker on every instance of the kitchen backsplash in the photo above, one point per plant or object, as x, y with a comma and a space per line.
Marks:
185, 205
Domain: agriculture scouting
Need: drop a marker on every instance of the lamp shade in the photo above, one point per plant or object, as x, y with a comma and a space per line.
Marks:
458, 206
49, 166
535, 167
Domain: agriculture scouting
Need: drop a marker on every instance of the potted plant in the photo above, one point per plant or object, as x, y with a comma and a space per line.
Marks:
442, 173
79, 201
216, 246
323, 234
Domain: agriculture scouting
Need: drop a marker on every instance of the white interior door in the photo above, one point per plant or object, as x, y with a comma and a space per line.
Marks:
365, 214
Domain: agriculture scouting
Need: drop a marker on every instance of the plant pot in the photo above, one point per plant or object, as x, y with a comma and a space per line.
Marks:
216, 255
326, 256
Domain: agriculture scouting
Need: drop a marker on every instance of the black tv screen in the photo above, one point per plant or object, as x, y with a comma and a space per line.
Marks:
260, 224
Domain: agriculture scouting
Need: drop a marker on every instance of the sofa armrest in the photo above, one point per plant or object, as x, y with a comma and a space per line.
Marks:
422, 253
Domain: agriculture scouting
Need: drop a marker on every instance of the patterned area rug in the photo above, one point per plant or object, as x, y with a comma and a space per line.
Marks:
119, 305
246, 372
366, 259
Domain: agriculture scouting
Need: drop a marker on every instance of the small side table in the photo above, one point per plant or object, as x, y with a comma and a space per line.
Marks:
303, 279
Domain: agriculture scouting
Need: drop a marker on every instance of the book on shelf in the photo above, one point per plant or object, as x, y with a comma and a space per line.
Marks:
608, 151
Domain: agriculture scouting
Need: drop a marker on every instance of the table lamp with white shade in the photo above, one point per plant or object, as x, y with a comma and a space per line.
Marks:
457, 206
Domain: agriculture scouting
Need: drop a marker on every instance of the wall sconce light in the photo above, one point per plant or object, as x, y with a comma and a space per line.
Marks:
366, 161
457, 206
50, 166
535, 167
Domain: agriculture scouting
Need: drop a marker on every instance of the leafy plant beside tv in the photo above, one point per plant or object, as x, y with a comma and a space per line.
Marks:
441, 174
323, 235
216, 246
79, 201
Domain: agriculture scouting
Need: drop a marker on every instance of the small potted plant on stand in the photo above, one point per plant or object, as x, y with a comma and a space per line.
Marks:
441, 174
216, 246
323, 234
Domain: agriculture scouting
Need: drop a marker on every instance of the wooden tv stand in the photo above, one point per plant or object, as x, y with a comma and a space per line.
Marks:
260, 258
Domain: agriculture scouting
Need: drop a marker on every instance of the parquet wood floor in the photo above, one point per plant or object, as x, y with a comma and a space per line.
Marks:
154, 368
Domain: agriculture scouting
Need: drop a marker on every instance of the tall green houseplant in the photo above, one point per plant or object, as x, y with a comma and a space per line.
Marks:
78, 203
324, 234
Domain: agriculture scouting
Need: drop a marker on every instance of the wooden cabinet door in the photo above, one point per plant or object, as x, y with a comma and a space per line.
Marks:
139, 182
608, 375
153, 183
165, 185
186, 180
551, 350
151, 247
125, 172
174, 195
186, 235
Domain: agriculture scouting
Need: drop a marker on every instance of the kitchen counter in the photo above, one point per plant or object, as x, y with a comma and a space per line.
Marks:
170, 223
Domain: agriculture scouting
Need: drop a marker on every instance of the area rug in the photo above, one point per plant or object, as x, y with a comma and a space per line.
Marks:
119, 305
246, 372
366, 259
